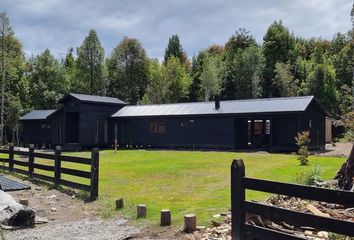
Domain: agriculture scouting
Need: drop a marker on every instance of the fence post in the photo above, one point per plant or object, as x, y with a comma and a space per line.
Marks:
237, 199
11, 158
30, 160
94, 174
57, 166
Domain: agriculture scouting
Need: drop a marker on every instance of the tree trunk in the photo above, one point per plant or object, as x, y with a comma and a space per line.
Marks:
345, 174
13, 213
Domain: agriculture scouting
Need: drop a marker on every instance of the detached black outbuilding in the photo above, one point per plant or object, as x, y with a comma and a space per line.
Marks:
262, 124
82, 121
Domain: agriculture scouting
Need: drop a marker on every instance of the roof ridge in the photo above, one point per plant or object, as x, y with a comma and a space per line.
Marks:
234, 100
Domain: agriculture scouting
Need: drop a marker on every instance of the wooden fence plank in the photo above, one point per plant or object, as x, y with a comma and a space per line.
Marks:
252, 232
11, 157
75, 185
312, 193
237, 200
43, 177
21, 153
74, 159
57, 166
302, 219
94, 174
21, 163
43, 167
21, 171
75, 172
44, 155
31, 161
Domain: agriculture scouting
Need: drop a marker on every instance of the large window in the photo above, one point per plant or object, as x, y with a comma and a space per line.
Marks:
159, 127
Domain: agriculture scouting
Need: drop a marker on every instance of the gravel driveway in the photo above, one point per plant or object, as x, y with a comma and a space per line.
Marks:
88, 229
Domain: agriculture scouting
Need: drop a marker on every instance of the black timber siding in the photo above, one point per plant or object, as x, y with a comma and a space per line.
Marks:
93, 116
197, 132
318, 126
37, 132
219, 132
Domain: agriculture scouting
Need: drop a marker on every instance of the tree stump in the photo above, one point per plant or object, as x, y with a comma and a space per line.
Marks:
165, 217
190, 223
345, 174
120, 203
141, 211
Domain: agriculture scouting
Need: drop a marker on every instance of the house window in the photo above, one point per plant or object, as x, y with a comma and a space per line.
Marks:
159, 127
45, 126
310, 123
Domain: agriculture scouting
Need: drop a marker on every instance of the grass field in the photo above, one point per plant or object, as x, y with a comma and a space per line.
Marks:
186, 181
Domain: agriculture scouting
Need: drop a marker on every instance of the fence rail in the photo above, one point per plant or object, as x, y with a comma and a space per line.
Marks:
57, 169
239, 207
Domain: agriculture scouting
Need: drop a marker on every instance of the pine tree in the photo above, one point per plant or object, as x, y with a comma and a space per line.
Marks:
90, 63
278, 46
174, 49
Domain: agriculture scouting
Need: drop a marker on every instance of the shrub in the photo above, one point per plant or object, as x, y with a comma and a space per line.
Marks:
309, 177
302, 140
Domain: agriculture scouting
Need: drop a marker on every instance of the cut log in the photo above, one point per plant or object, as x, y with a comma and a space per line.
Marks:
141, 211
345, 174
165, 217
13, 213
190, 223
120, 203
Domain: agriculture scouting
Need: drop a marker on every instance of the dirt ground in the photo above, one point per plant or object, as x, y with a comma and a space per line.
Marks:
340, 149
69, 217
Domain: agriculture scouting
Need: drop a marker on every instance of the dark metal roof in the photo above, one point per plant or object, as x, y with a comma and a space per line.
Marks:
38, 114
92, 98
265, 105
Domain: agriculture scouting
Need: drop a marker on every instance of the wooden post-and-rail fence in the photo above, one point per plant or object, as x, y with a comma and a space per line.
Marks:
57, 169
239, 207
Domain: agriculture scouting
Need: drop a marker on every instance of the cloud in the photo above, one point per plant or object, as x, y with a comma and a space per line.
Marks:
61, 24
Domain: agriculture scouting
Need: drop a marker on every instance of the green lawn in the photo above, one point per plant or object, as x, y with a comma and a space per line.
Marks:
189, 182
185, 181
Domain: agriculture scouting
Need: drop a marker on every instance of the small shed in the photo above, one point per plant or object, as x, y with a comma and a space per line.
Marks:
258, 124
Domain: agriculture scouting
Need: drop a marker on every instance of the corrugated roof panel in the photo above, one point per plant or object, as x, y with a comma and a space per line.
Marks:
265, 105
94, 98
38, 114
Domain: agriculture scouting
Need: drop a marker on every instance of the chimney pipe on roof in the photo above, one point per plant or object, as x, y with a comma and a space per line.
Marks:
217, 102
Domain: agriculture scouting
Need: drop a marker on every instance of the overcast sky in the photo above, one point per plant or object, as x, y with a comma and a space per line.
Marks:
61, 24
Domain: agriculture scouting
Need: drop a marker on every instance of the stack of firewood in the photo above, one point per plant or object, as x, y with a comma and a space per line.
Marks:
222, 224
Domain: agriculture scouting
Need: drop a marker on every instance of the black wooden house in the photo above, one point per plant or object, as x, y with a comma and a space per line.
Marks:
262, 124
258, 124
81, 121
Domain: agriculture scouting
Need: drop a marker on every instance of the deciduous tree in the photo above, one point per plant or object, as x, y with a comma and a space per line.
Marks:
210, 80
127, 70
47, 82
